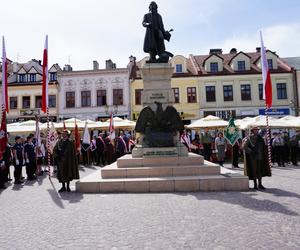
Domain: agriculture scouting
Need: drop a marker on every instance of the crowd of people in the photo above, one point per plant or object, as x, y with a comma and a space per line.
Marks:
65, 157
102, 150
285, 149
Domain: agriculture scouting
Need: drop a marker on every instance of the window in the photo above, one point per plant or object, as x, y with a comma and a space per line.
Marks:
176, 95
191, 95
85, 98
246, 92
178, 68
26, 102
270, 63
13, 102
32, 77
118, 97
138, 97
281, 91
53, 76
241, 65
228, 93
214, 67
210, 93
22, 78
260, 91
70, 99
101, 97
38, 102
52, 101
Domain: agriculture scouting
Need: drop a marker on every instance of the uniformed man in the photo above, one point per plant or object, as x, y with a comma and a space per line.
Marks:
295, 147
18, 159
256, 158
278, 145
206, 140
30, 158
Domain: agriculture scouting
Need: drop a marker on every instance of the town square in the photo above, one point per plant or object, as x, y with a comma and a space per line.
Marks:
150, 125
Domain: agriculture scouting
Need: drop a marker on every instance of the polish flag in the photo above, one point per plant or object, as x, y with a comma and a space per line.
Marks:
4, 77
267, 83
112, 133
45, 78
77, 138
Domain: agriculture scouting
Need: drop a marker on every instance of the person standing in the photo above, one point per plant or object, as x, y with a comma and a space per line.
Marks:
256, 158
236, 153
40, 154
18, 159
94, 150
109, 150
67, 161
206, 140
30, 159
2, 175
7, 158
121, 145
278, 145
295, 147
286, 147
100, 149
221, 148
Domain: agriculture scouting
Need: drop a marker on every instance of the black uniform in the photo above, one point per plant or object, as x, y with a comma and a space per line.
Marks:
30, 161
18, 162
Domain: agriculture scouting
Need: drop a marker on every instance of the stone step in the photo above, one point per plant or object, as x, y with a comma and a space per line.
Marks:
222, 182
127, 161
112, 171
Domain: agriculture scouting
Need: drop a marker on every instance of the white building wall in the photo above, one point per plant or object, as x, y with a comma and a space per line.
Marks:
93, 80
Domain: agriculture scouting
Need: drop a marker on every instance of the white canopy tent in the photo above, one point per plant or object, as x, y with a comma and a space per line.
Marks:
208, 122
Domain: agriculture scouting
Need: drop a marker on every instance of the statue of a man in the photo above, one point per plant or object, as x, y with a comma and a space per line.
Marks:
155, 36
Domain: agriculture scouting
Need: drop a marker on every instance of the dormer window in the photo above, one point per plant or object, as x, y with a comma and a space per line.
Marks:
214, 67
241, 65
32, 77
22, 78
53, 76
178, 68
270, 63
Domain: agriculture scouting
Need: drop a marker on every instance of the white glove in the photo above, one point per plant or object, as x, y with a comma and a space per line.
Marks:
24, 162
17, 162
225, 150
27, 161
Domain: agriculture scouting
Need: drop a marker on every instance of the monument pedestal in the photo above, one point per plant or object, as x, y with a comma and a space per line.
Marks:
161, 169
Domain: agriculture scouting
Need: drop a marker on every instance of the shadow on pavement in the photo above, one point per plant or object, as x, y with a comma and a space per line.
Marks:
57, 198
281, 193
248, 200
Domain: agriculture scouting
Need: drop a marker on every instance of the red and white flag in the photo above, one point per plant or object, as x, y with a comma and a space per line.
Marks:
77, 138
267, 83
45, 78
112, 133
3, 134
4, 77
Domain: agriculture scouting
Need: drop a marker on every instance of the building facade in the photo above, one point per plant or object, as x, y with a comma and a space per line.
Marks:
222, 85
94, 94
25, 91
294, 62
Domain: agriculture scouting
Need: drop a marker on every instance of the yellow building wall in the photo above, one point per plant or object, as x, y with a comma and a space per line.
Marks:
188, 111
32, 91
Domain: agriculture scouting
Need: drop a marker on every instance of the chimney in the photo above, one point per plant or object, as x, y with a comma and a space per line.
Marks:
95, 65
110, 65
258, 49
233, 51
68, 68
215, 51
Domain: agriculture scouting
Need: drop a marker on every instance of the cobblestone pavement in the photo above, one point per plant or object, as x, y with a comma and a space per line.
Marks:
35, 216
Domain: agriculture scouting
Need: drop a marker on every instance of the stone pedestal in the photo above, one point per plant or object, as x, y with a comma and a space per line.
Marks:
157, 84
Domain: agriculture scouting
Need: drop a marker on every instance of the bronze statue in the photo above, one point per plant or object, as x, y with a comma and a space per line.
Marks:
159, 127
155, 36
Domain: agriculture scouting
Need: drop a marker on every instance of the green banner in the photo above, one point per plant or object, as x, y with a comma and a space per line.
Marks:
231, 132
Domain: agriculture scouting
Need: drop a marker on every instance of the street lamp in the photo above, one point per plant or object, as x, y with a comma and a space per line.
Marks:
111, 109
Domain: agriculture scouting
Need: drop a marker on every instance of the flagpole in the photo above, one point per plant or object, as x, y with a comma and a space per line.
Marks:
48, 144
268, 136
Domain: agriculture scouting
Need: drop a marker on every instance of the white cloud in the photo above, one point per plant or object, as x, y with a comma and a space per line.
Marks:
284, 39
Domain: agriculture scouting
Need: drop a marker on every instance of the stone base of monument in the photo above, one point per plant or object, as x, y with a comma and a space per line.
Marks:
162, 174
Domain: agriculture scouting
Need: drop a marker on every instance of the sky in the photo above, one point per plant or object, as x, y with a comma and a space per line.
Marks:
81, 31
